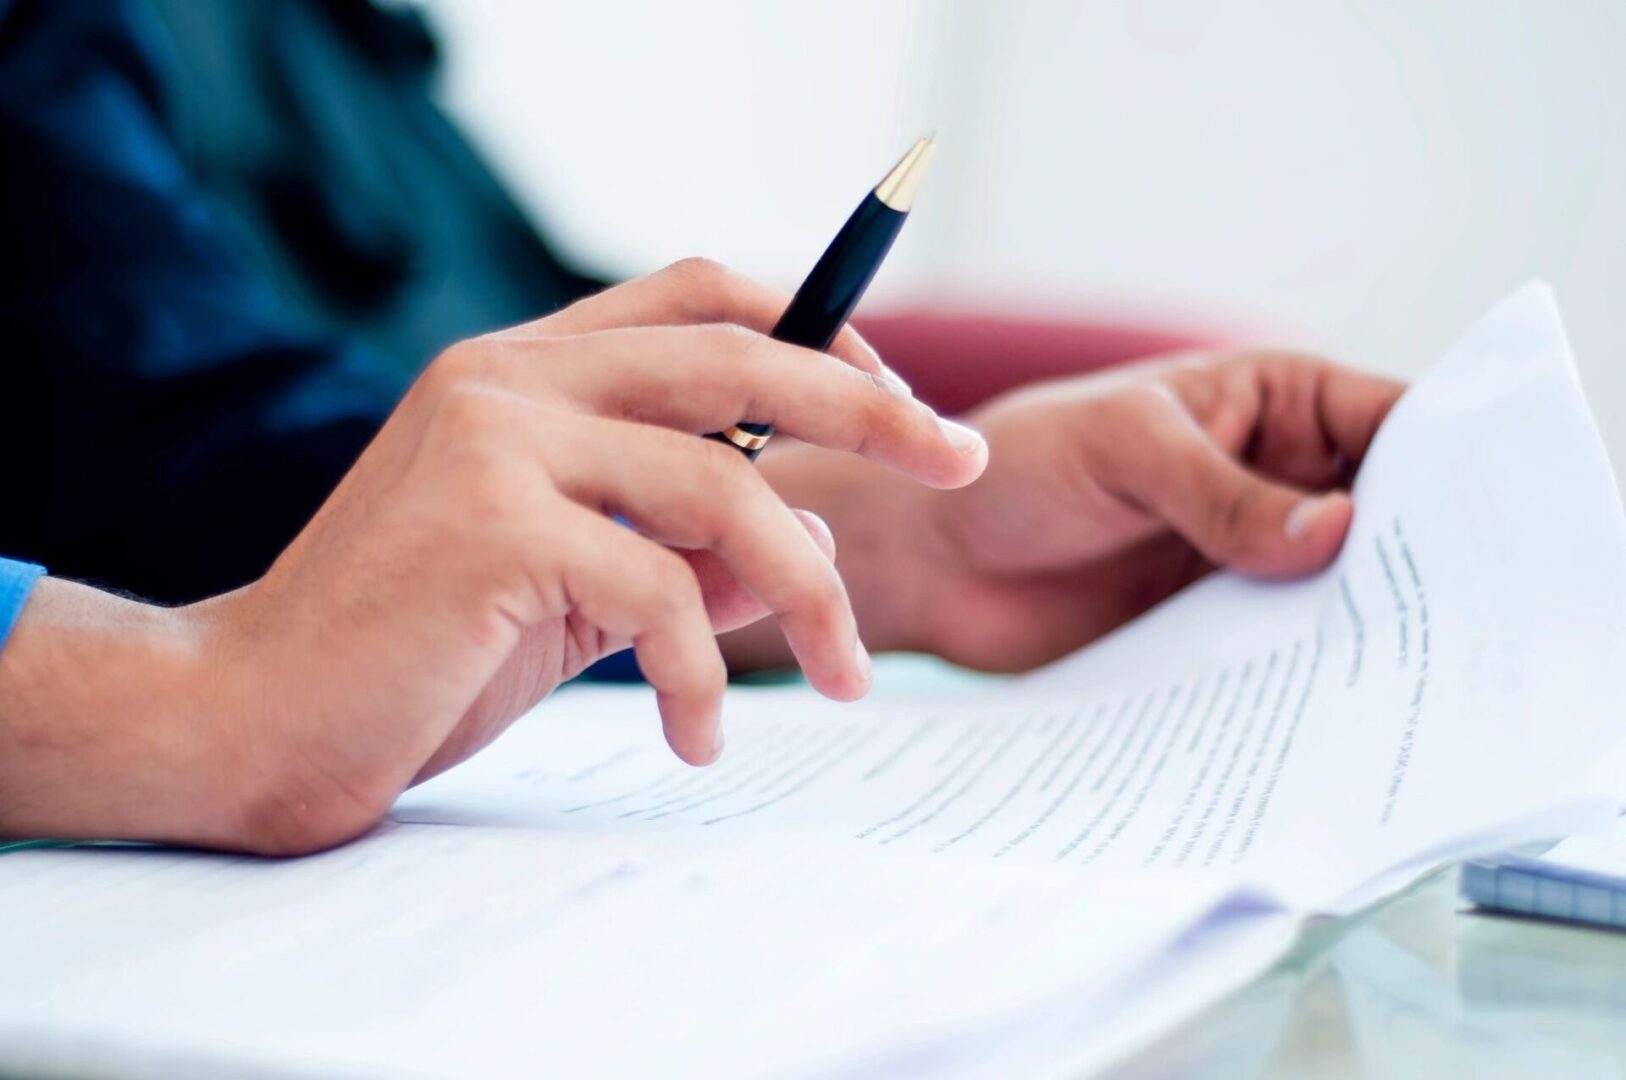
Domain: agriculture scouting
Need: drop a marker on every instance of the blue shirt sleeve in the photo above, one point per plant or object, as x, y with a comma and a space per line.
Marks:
16, 582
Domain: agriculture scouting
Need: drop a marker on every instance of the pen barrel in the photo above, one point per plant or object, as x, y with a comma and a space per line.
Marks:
826, 300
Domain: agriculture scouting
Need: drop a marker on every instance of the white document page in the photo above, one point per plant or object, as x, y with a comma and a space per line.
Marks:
1453, 682
911, 886
433, 951
1601, 850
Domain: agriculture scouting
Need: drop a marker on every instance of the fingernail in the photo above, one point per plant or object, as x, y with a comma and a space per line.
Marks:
962, 438
1303, 516
893, 379
866, 666
717, 742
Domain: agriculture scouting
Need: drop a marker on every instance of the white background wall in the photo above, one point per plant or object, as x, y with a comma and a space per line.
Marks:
1355, 176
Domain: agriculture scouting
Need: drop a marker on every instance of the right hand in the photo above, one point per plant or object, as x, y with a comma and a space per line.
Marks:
468, 564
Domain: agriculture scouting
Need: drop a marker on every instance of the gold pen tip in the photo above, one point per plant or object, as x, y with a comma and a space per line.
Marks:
897, 189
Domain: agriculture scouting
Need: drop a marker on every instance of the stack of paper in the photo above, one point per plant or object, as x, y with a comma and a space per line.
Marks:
1036, 878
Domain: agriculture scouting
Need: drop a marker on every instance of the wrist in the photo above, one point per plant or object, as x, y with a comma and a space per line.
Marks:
104, 731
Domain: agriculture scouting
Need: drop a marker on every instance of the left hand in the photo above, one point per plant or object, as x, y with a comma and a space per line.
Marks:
1104, 494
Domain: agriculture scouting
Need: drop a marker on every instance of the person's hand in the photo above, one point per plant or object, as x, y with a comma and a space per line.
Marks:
1104, 494
469, 563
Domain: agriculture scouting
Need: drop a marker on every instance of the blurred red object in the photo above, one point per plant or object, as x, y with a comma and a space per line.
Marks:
956, 359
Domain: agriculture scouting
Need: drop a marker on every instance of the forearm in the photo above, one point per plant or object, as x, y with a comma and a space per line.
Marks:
99, 737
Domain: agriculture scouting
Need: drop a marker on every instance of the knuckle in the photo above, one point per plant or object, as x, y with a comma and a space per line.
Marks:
471, 460
711, 677
725, 472
705, 286
878, 393
479, 496
458, 365
738, 509
728, 353
875, 389
698, 678
698, 269
1150, 397
733, 343
466, 414
734, 492
487, 490
670, 587
459, 418
1274, 360
886, 414
1284, 372
820, 589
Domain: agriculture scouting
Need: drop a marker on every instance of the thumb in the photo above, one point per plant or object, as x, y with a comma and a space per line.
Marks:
1240, 520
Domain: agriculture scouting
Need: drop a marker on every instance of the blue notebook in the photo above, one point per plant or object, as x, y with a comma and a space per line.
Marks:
1549, 890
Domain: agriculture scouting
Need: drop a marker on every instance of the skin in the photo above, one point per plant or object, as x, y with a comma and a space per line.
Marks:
1104, 495
468, 564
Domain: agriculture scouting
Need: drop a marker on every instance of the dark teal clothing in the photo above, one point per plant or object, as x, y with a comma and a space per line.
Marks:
230, 232
313, 127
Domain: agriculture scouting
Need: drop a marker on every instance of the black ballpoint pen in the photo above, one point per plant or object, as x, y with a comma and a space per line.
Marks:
827, 298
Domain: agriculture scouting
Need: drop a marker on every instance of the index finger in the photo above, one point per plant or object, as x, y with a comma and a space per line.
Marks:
1352, 405
696, 291
1292, 416
702, 378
